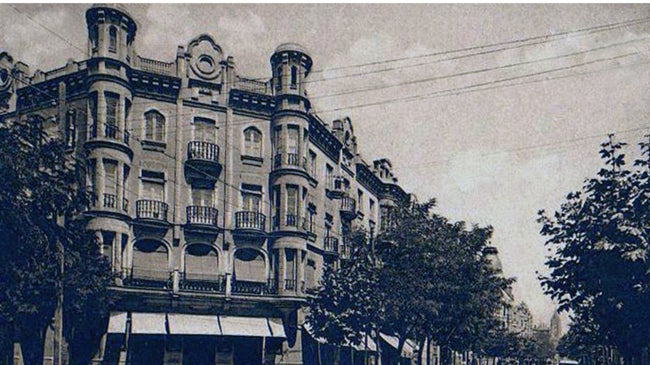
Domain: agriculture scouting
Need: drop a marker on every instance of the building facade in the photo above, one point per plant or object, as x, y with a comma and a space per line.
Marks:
218, 199
521, 321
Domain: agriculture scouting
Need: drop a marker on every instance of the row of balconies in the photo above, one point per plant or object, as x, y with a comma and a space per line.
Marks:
212, 283
208, 216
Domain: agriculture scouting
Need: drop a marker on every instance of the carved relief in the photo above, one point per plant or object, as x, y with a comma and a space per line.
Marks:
6, 79
205, 57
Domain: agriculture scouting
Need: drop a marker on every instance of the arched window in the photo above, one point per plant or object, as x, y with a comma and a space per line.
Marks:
252, 142
150, 260
154, 126
112, 39
201, 262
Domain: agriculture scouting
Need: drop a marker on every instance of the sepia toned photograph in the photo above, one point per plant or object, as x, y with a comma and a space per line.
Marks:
324, 184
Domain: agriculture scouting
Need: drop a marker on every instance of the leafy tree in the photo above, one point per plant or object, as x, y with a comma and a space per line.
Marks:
421, 278
600, 268
347, 302
45, 247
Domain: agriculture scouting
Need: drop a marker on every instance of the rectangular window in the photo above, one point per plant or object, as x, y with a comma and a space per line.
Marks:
276, 206
112, 36
204, 130
292, 140
203, 197
312, 163
112, 101
153, 185
251, 202
360, 199
292, 200
371, 208
329, 175
92, 176
110, 182
385, 217
127, 111
279, 141
294, 76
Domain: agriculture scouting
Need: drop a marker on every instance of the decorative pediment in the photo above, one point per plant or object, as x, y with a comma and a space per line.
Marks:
204, 58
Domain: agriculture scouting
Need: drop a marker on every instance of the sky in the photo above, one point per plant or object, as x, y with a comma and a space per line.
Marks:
489, 157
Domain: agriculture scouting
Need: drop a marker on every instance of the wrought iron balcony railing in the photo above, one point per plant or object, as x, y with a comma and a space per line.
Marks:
200, 150
254, 287
215, 283
250, 220
331, 244
202, 215
151, 209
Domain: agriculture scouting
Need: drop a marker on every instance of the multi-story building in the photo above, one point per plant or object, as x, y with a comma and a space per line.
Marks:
218, 199
521, 320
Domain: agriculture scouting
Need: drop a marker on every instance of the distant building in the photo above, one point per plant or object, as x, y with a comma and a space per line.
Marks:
504, 312
521, 320
555, 329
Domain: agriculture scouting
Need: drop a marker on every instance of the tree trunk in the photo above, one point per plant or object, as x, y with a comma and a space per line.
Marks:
429, 350
400, 346
337, 356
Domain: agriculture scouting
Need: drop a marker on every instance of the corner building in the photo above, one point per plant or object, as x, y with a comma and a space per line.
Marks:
218, 199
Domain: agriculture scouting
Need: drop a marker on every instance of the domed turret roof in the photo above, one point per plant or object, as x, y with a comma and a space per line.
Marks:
291, 47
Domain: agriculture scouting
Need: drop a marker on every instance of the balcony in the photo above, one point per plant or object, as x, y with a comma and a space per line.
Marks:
346, 252
151, 211
202, 215
108, 204
331, 245
290, 161
147, 278
202, 161
111, 136
254, 287
336, 188
211, 283
291, 222
348, 208
250, 223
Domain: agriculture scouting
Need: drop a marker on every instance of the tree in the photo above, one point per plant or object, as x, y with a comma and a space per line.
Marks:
347, 302
422, 278
46, 250
600, 268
